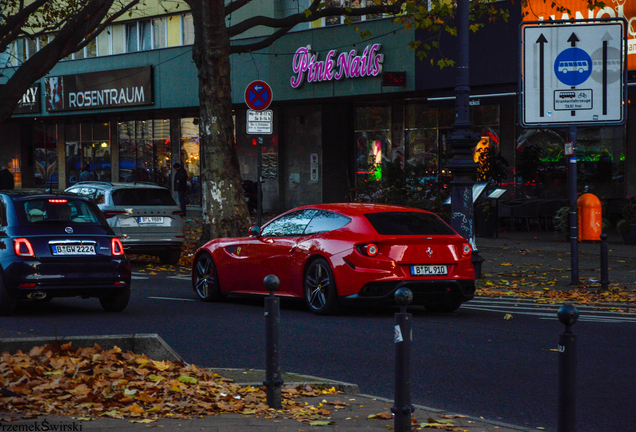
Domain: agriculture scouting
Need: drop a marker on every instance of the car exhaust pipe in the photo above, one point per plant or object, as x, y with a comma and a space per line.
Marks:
37, 295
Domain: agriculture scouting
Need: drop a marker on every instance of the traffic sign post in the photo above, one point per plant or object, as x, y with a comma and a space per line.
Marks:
260, 120
573, 73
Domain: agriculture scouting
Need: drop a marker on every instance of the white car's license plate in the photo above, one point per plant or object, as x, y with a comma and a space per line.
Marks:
151, 219
73, 250
429, 270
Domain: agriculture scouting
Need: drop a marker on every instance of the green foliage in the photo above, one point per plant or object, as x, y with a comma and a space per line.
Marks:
628, 213
562, 222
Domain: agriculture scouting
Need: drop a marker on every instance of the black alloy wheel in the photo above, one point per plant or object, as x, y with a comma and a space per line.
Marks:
204, 278
320, 289
117, 301
8, 301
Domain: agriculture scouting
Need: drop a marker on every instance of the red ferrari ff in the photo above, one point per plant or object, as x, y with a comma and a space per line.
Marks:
334, 254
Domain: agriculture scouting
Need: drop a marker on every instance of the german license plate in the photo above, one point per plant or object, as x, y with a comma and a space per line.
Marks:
74, 250
150, 219
429, 270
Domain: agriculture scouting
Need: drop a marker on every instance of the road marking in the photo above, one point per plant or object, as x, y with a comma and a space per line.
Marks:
172, 298
179, 277
544, 311
137, 275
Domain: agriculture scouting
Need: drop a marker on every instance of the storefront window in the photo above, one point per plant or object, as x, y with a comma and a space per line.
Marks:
88, 145
541, 166
45, 155
372, 129
190, 150
144, 151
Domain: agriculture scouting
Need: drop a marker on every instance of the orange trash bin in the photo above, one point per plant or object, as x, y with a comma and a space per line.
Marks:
590, 217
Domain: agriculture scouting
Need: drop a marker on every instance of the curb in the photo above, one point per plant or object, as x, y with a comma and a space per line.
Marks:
150, 344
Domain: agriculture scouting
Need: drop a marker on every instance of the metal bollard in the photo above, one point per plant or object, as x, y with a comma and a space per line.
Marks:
402, 409
566, 422
604, 263
273, 379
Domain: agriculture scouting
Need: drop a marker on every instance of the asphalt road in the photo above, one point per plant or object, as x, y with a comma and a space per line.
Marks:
493, 358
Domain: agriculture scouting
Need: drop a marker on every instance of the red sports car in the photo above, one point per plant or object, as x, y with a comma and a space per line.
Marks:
334, 254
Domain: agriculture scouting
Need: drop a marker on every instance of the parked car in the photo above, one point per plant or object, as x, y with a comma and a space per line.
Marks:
335, 254
143, 215
59, 245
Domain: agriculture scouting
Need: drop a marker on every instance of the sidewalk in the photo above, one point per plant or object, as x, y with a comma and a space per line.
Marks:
94, 395
520, 253
350, 413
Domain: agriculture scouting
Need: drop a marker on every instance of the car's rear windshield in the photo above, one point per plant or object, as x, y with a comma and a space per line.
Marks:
50, 210
408, 223
143, 197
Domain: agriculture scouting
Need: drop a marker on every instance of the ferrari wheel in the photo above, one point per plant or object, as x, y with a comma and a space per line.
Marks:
204, 279
320, 290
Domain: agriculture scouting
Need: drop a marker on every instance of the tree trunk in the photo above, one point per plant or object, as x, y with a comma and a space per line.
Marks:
225, 212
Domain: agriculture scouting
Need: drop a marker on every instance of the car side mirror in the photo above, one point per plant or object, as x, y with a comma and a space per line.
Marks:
254, 231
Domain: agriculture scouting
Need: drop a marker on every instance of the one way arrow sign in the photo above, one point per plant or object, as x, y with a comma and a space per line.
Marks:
573, 74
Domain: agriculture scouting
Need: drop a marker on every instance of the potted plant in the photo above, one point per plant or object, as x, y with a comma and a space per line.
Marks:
627, 225
562, 223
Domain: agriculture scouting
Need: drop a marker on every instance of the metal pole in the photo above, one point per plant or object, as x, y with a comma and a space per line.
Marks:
259, 183
574, 219
604, 263
402, 409
568, 315
273, 378
463, 141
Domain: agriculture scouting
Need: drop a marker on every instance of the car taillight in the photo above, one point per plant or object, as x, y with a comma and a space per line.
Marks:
466, 249
112, 213
370, 249
177, 212
23, 247
116, 246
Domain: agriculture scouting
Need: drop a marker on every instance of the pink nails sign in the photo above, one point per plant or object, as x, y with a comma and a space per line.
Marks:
335, 66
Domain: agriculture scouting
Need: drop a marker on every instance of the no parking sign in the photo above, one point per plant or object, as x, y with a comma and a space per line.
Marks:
258, 95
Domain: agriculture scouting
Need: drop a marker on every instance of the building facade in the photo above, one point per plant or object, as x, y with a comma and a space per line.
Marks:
343, 107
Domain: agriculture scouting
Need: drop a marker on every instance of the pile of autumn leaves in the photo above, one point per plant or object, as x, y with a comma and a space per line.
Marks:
90, 382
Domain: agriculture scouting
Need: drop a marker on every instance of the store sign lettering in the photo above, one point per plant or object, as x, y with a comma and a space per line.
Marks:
30, 102
107, 89
336, 66
99, 98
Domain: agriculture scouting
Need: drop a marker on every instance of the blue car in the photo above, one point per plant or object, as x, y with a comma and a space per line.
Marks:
59, 245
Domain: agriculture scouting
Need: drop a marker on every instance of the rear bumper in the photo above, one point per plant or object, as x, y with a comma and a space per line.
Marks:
67, 279
150, 248
424, 291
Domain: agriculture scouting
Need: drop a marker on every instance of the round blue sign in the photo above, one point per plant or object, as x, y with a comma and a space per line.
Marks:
573, 66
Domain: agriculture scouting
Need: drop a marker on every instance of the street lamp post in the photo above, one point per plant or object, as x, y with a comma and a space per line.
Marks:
462, 141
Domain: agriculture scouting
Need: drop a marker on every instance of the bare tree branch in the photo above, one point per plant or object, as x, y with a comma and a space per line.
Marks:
234, 6
301, 17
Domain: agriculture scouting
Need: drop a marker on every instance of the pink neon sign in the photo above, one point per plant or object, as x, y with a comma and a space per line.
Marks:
335, 66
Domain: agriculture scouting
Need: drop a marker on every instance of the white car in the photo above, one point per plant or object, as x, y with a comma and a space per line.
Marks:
144, 216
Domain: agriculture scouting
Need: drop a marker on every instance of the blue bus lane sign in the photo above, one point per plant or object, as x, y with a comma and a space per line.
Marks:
573, 73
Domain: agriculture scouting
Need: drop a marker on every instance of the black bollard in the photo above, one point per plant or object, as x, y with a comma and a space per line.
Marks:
402, 409
604, 270
568, 315
273, 378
